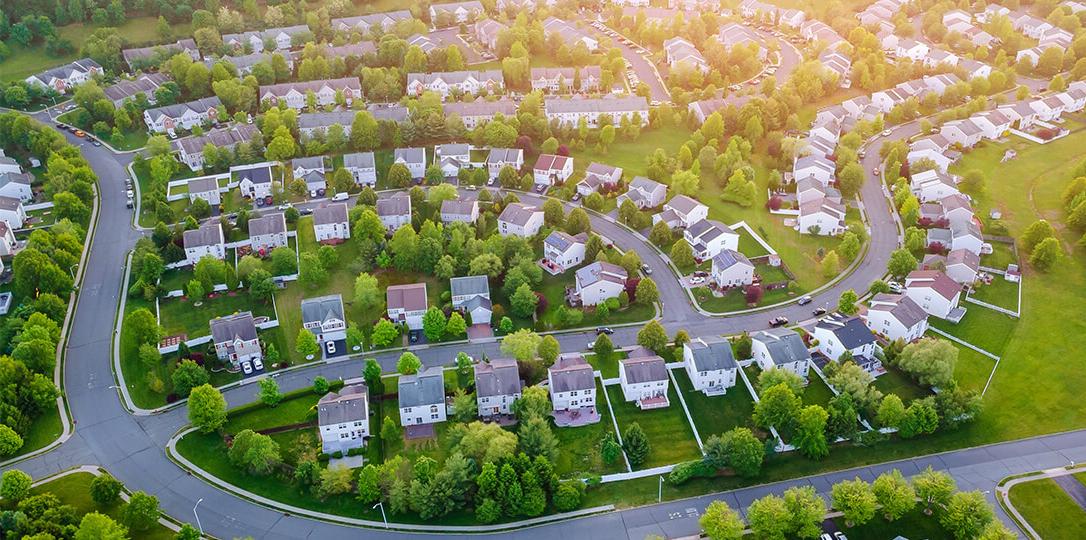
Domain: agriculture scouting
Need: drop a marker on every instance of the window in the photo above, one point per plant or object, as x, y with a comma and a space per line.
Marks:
433, 409
433, 417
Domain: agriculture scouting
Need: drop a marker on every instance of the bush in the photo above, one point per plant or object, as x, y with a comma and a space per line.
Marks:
690, 469
323, 457
337, 454
355, 451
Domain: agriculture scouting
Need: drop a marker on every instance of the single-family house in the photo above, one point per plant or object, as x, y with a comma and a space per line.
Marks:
780, 348
932, 185
190, 150
679, 52
499, 158
255, 182
563, 250
395, 211
17, 185
324, 318
520, 220
962, 266
362, 167
710, 364
709, 237
343, 419
331, 224
12, 212
644, 380
422, 397
964, 133
497, 386
818, 167
599, 176
8, 243
206, 240
471, 296
838, 334
824, 217
810, 189
463, 210
413, 158
896, 316
268, 232
235, 338
206, 188
731, 269
451, 158
407, 304
572, 386
956, 210
66, 77
599, 281
966, 235
935, 292
644, 193
550, 169
311, 171
681, 212
992, 124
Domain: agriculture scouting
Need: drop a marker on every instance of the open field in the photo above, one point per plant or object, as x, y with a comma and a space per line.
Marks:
1049, 509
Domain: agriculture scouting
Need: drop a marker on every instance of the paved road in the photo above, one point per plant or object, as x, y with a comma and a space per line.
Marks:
643, 67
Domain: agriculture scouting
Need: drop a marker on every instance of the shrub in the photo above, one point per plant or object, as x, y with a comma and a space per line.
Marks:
690, 469
337, 454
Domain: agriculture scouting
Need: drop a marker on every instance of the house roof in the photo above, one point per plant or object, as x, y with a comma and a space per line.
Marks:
10, 203
350, 404
601, 271
209, 234
358, 160
82, 65
366, 21
784, 345
269, 224
571, 372
900, 307
330, 214
481, 108
600, 169
459, 207
469, 285
456, 77
222, 138
410, 155
682, 204
452, 149
551, 162
934, 280
711, 353
398, 204
410, 297
307, 86
203, 185
498, 377
707, 230
140, 85
562, 240
231, 327
595, 105
199, 106
322, 308
644, 369
504, 155
325, 120
258, 175
566, 73
314, 162
850, 331
391, 112
518, 214
427, 387
728, 258
645, 185
963, 256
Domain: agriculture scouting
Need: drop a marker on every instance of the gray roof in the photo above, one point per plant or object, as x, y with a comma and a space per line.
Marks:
850, 331
350, 49
481, 108
325, 119
303, 87
203, 185
566, 73
269, 224
784, 345
350, 404
562, 240
410, 155
222, 138
82, 65
728, 258
359, 160
571, 372
366, 21
586, 105
9, 203
504, 155
322, 308
143, 84
314, 179
330, 214
682, 204
499, 377
231, 327
472, 304
18, 178
181, 45
456, 77
452, 149
258, 175
462, 286
209, 234
176, 110
708, 229
518, 214
393, 112
246, 61
601, 271
712, 353
458, 207
900, 307
427, 387
314, 162
396, 205
644, 369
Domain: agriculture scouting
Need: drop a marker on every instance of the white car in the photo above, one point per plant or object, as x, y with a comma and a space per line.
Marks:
887, 132
697, 280
340, 196
331, 347
246, 367
286, 206
257, 364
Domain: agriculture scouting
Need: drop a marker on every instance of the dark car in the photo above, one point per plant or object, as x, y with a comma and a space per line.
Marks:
306, 211
805, 300
604, 330
778, 321
268, 200
819, 311
701, 273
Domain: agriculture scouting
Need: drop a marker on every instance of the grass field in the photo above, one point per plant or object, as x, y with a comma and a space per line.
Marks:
735, 300
74, 490
1000, 293
912, 525
717, 414
985, 328
670, 438
1048, 509
43, 430
817, 391
579, 447
894, 381
182, 316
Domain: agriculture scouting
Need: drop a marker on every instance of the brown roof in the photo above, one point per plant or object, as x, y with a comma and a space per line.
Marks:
935, 280
407, 297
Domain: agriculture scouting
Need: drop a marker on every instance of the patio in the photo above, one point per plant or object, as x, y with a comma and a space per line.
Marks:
419, 431
576, 417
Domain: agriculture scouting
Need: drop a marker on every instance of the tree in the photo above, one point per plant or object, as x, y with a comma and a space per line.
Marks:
685, 182
408, 364
141, 511
306, 344
367, 292
537, 439
921, 417
1046, 254
141, 324
646, 292
847, 303
548, 349
891, 411
806, 511
456, 326
854, 499
996, 530
521, 345
966, 514
810, 436
384, 332
433, 323
464, 405
778, 407
851, 179
96, 526
739, 449
568, 495
524, 301
849, 246
769, 517
553, 213
830, 264
256, 453
577, 222
1036, 233
661, 234
653, 337
195, 289
207, 408
894, 494
105, 490
269, 392
720, 522
934, 488
188, 375
901, 263
636, 444
603, 347
533, 402
930, 361
15, 485
682, 254
774, 376
10, 441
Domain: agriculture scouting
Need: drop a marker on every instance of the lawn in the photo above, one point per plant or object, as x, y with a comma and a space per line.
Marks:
579, 447
670, 438
606, 365
982, 327
1002, 254
182, 316
894, 381
74, 490
717, 414
554, 290
43, 430
1000, 293
817, 391
147, 216
749, 246
973, 368
735, 300
1048, 509
915, 524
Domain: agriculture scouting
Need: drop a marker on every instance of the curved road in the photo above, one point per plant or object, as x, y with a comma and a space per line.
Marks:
132, 446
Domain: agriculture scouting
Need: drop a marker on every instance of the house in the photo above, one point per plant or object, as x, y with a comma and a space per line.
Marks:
500, 158
992, 11
598, 176
569, 34
143, 85
497, 386
780, 348
17, 185
731, 269
710, 364
818, 167
838, 64
343, 419
395, 211
733, 35
570, 111
8, 243
168, 118
455, 12
938, 57
520, 220
679, 51
935, 292
644, 193
66, 77
956, 210
362, 167
407, 304
932, 185
908, 48
364, 24
388, 112
324, 318
268, 232
486, 32
255, 183
456, 82
12, 212
550, 169
838, 334
235, 338
280, 39
572, 386
9, 165
965, 236
709, 237
319, 123
992, 124
142, 57
896, 316
471, 296
190, 150
422, 397
921, 150
412, 158
824, 217
452, 157
974, 69
563, 250
206, 188
478, 112
645, 381
809, 189
681, 212
245, 63
1048, 109
596, 283
558, 79
815, 30
962, 266
704, 108
311, 171
964, 133
463, 210
1073, 100
1021, 114
295, 94
204, 241
331, 224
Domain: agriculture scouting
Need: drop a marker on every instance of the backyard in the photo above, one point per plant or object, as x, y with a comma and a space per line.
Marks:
982, 327
670, 438
999, 292
717, 414
579, 453
894, 381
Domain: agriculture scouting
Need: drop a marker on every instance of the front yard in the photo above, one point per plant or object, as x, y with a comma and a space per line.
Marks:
1049, 509
75, 490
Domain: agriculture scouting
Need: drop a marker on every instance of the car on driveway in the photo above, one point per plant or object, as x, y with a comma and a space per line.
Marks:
895, 287
257, 364
247, 368
838, 535
697, 280
778, 321
805, 300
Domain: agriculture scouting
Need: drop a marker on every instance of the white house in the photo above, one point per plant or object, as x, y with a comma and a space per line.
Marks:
487, 31
731, 269
966, 236
645, 381
681, 212
837, 334
295, 94
896, 316
343, 419
395, 211
68, 76
456, 82
933, 291
422, 397
12, 212
362, 168
598, 176
644, 193
497, 386
364, 24
710, 364
190, 150
478, 112
809, 189
235, 338
572, 387
992, 124
407, 304
956, 210
206, 188
451, 158
681, 52
412, 158
463, 210
709, 237
780, 348
207, 240
824, 217
455, 12
932, 185
1048, 109
168, 118
570, 111
557, 79
964, 133
570, 34
499, 158
520, 220
563, 250
324, 318
331, 224
817, 167
471, 296
255, 183
598, 282
8, 243
268, 232
550, 169
962, 266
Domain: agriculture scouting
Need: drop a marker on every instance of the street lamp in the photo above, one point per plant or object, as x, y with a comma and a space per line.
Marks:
383, 518
198, 525
660, 490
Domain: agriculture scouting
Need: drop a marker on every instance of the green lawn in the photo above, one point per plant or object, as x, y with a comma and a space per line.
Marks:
894, 381
183, 316
749, 246
1000, 293
670, 437
1002, 255
74, 490
554, 290
973, 368
606, 365
817, 391
985, 328
1048, 509
43, 430
579, 447
735, 300
717, 414
915, 524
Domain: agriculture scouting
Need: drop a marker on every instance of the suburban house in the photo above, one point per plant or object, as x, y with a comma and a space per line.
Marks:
930, 148
838, 334
550, 169
281, 39
407, 304
312, 124
965, 236
731, 269
343, 419
9, 165
497, 386
456, 82
463, 210
455, 13
681, 52
486, 32
452, 157
964, 133
8, 243
598, 282
808, 189
780, 348
704, 108
245, 63
558, 79
207, 240
709, 237
364, 24
598, 176
824, 217
413, 158
570, 111
323, 317
255, 183
732, 35
520, 220
569, 34
143, 85
933, 185
422, 397
17, 185
190, 150
478, 112
644, 380
710, 364
168, 118
268, 232
311, 171
66, 77
572, 385
992, 124
818, 167
502, 157
681, 212
962, 266
644, 193
12, 212
235, 338
563, 250
294, 94
471, 296
934, 292
331, 224
142, 57
395, 211
362, 168
896, 316
956, 210
206, 188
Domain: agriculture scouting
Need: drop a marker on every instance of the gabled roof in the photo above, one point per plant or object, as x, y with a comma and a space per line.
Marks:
358, 160
199, 106
963, 256
504, 155
518, 214
231, 327
459, 207
562, 240
209, 234
551, 162
934, 280
256, 175
330, 214
728, 258
644, 369
322, 309
499, 377
350, 404
711, 353
682, 204
595, 105
708, 230
571, 372
269, 224
784, 345
203, 185
314, 162
850, 331
226, 137
483, 108
468, 285
900, 307
397, 205
600, 271
427, 387
410, 155
410, 297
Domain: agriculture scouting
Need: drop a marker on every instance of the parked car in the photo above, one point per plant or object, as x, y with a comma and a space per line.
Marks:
818, 312
330, 346
96, 142
778, 321
268, 200
875, 171
701, 273
490, 182
838, 535
697, 280
285, 207
246, 367
130, 203
79, 133
604, 330
805, 300
646, 269
342, 196
257, 364
895, 287
472, 187
591, 345
887, 132
861, 154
